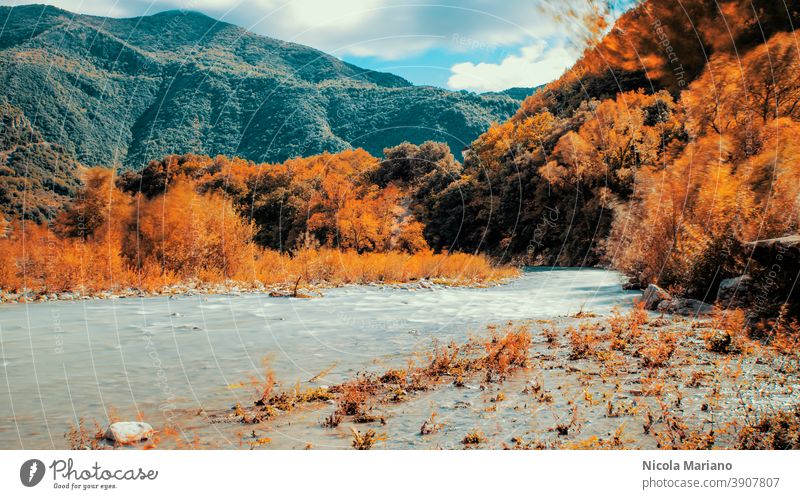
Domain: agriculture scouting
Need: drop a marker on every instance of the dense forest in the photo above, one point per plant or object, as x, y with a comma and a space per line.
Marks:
660, 154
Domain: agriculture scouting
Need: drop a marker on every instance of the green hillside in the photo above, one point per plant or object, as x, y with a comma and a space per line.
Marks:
126, 91
36, 177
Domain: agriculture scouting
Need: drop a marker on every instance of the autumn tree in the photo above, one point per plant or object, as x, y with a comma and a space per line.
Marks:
190, 234
99, 209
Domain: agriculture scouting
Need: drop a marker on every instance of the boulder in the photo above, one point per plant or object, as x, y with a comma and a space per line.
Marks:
631, 285
765, 250
775, 289
734, 292
129, 432
684, 306
653, 296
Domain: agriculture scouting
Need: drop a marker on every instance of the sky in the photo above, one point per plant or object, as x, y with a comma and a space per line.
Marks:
475, 45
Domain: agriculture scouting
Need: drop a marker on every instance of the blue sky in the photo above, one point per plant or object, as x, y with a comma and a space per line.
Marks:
477, 45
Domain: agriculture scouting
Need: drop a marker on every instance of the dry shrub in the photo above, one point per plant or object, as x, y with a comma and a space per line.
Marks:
637, 316
728, 333
537, 389
430, 426
613, 442
618, 344
618, 324
658, 351
267, 385
333, 420
347, 266
550, 336
628, 327
354, 395
447, 361
259, 441
366, 440
394, 376
257, 415
563, 427
778, 430
584, 341
784, 336
81, 438
507, 352
171, 435
282, 401
535, 444
270, 404
315, 394
475, 437
676, 434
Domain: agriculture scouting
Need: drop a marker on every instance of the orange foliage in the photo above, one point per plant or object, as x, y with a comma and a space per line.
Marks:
188, 230
190, 235
736, 181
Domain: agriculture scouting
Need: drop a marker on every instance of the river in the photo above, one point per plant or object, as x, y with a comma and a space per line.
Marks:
65, 360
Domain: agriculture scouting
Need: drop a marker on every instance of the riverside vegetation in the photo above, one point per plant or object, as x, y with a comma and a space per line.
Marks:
181, 221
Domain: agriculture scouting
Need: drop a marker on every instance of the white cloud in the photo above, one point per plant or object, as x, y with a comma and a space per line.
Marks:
534, 65
388, 29
339, 15
391, 30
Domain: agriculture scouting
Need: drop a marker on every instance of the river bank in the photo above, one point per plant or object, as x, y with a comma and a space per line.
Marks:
618, 381
303, 273
234, 288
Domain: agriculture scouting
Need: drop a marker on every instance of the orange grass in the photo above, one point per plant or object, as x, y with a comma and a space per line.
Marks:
35, 260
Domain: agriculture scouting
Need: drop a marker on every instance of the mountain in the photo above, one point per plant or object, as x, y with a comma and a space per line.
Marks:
126, 91
36, 177
519, 93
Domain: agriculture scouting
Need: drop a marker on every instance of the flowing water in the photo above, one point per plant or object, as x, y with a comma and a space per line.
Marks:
170, 357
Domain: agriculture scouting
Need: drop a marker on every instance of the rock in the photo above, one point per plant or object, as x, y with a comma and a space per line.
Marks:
734, 292
653, 296
775, 289
765, 249
631, 285
719, 342
684, 306
129, 432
